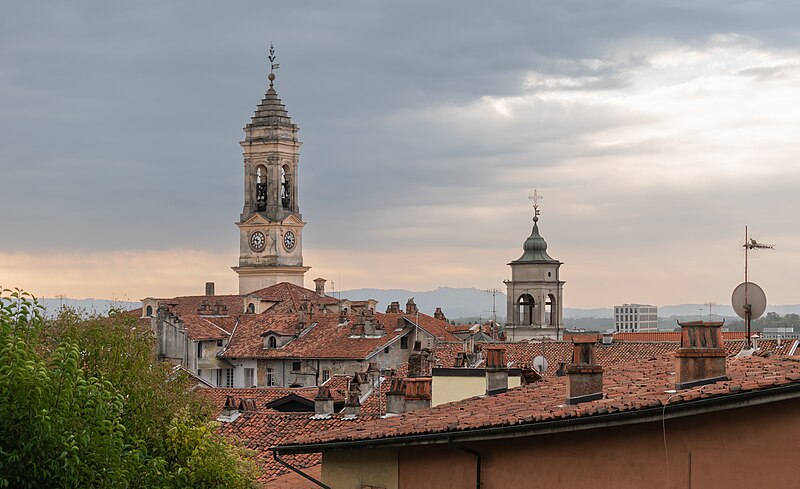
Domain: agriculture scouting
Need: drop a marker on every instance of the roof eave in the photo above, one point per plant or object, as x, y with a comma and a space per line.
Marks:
652, 414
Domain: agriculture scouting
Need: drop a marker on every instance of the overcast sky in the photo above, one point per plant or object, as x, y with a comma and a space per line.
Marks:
655, 131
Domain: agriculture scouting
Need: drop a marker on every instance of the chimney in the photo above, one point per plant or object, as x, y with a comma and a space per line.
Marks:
584, 376
396, 396
229, 412
394, 308
438, 314
320, 286
418, 362
496, 370
357, 327
323, 401
342, 317
411, 308
209, 288
608, 338
418, 393
701, 358
352, 405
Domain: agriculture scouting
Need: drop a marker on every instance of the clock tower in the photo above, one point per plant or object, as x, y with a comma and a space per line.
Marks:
270, 226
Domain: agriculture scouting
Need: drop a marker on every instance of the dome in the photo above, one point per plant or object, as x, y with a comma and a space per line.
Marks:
535, 248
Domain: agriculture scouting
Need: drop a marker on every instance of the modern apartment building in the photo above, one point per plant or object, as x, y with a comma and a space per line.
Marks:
636, 317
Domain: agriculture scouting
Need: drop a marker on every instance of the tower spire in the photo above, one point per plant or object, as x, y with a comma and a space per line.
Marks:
535, 197
272, 64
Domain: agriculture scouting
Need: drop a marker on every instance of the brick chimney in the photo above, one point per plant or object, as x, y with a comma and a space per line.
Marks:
209, 288
394, 308
496, 370
701, 358
396, 396
323, 401
357, 326
584, 376
438, 314
411, 307
319, 284
418, 361
352, 404
418, 393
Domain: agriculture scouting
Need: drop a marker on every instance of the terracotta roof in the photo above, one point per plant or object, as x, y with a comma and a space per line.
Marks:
293, 295
627, 387
523, 353
326, 339
436, 327
204, 328
260, 430
668, 336
262, 395
293, 480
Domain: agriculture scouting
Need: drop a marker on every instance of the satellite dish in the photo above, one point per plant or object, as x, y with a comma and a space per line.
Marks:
540, 364
756, 299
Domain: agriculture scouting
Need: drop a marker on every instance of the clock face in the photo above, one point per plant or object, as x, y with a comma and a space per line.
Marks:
289, 240
257, 241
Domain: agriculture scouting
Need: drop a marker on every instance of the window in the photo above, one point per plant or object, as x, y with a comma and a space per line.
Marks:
272, 343
404, 343
295, 366
200, 372
248, 377
219, 342
386, 350
149, 310
199, 349
224, 377
261, 188
270, 376
326, 374
251, 308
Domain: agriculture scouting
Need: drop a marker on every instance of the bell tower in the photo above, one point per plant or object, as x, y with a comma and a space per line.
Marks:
534, 293
270, 226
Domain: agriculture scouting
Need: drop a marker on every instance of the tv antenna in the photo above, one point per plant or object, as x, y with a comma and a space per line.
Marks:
494, 309
748, 299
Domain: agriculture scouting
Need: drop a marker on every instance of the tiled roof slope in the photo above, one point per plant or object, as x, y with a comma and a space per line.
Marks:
619, 351
668, 336
436, 327
204, 328
259, 430
326, 339
627, 387
262, 395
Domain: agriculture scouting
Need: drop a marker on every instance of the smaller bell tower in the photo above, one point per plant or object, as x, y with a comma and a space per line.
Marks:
534, 293
270, 226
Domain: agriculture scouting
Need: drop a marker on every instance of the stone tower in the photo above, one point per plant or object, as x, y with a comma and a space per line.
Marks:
270, 226
534, 292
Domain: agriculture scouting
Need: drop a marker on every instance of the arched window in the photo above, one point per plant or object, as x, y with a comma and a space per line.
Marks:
272, 342
286, 200
525, 305
149, 310
261, 188
550, 309
251, 308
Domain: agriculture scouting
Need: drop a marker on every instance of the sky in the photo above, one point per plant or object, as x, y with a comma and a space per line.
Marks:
655, 131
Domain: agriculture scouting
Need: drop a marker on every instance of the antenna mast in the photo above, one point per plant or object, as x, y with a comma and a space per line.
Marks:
750, 244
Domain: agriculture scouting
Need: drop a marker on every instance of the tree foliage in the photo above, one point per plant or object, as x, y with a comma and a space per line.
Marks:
82, 404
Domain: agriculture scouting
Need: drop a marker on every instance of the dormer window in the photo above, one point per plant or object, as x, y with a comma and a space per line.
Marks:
251, 308
272, 342
149, 311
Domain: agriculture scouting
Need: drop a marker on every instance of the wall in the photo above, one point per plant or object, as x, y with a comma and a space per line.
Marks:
741, 448
448, 388
310, 370
354, 468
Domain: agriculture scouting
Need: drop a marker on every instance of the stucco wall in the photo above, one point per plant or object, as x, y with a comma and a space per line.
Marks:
451, 388
742, 448
354, 468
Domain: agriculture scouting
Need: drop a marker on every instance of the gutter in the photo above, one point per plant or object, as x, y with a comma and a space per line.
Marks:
295, 469
651, 414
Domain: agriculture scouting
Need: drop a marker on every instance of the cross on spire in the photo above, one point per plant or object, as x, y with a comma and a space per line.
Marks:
535, 198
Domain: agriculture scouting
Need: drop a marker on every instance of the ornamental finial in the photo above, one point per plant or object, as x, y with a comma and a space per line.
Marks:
535, 198
272, 64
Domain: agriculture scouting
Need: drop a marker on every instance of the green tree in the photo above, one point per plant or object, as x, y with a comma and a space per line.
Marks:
82, 404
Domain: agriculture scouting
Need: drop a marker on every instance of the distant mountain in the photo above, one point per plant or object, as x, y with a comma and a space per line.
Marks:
91, 306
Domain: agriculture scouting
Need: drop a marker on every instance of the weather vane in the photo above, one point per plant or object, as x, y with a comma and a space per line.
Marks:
535, 198
272, 64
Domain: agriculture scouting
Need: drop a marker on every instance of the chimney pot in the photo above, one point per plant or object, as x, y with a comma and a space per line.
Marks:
320, 286
411, 307
352, 405
438, 314
396, 396
496, 370
394, 308
209, 288
701, 358
584, 377
323, 401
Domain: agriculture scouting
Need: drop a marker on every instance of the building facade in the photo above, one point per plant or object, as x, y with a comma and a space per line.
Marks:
635, 317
